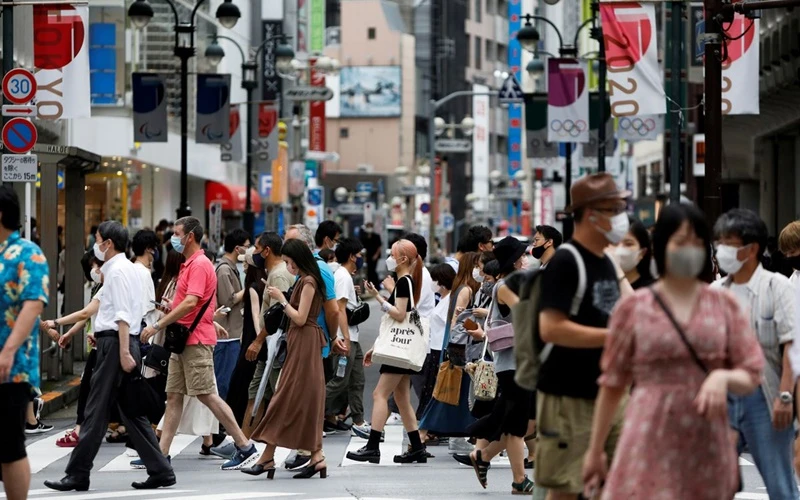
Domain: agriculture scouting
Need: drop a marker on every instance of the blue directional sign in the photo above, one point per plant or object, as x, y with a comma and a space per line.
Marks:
315, 196
448, 222
364, 187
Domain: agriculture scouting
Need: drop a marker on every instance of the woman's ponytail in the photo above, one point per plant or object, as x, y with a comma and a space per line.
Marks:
416, 275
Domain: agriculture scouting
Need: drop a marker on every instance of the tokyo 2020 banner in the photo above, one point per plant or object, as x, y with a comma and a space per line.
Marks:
740, 77
635, 83
567, 101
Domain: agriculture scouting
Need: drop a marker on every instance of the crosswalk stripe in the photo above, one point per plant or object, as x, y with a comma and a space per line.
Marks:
116, 494
235, 496
751, 496
32, 493
742, 461
122, 462
45, 452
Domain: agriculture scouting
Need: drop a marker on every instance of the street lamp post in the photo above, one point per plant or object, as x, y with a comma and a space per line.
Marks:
141, 13
283, 53
434, 106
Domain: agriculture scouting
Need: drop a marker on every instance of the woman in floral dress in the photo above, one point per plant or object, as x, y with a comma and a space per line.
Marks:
676, 442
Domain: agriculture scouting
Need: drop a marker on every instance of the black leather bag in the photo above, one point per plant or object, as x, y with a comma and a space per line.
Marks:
176, 335
358, 315
275, 317
137, 398
156, 358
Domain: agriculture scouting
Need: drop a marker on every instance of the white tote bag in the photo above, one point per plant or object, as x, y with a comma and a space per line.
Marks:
403, 344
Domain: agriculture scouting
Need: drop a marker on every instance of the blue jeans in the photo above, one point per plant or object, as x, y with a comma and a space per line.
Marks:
771, 449
226, 355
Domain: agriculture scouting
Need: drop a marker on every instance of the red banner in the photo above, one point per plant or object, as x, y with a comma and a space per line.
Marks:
317, 115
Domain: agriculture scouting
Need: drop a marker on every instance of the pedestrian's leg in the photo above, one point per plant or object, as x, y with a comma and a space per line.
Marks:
15, 472
387, 384
86, 385
355, 392
392, 405
336, 391
105, 381
17, 479
176, 390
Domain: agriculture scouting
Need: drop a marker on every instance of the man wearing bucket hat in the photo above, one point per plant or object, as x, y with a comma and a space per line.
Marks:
580, 285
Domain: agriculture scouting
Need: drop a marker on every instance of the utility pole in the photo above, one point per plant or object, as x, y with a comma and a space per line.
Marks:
8, 47
676, 66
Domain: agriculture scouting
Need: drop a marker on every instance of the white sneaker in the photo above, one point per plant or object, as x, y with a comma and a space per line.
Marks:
394, 419
130, 452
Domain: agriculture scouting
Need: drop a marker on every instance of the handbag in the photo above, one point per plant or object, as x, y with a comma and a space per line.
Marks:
403, 344
157, 358
137, 398
358, 315
484, 379
693, 353
448, 384
500, 333
275, 317
176, 335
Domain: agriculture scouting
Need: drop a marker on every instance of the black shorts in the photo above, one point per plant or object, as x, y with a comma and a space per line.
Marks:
14, 399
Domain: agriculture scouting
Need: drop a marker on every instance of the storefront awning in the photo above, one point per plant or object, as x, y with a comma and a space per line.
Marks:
231, 197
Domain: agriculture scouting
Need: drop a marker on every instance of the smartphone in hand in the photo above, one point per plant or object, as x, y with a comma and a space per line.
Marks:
470, 324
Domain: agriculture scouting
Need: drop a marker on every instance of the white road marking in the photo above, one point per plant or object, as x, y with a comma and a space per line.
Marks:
122, 462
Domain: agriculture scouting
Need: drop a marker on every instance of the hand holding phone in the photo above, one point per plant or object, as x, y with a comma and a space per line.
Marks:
470, 324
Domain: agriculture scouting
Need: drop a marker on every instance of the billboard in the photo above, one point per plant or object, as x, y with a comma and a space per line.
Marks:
370, 91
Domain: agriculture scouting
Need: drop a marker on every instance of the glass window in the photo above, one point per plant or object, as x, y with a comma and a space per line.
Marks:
371, 33
478, 11
478, 54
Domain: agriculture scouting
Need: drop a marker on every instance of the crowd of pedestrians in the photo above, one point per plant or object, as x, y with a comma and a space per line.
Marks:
627, 362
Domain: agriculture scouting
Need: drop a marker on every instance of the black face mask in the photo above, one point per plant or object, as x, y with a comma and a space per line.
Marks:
794, 261
259, 260
538, 252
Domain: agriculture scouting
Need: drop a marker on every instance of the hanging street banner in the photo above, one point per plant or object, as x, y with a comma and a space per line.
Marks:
149, 107
272, 81
740, 71
61, 61
480, 146
515, 117
265, 144
316, 134
640, 128
635, 80
212, 125
590, 150
316, 26
567, 101
232, 150
536, 134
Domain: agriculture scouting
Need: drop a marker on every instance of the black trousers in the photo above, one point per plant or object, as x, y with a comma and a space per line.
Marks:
86, 384
105, 382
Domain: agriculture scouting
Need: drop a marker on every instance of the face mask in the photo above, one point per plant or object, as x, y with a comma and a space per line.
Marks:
435, 287
538, 252
486, 288
259, 261
686, 262
619, 228
476, 275
627, 258
726, 258
99, 254
175, 241
95, 274
391, 264
359, 263
794, 261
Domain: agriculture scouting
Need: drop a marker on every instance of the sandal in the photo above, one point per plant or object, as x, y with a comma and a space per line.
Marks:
481, 467
523, 488
114, 437
69, 440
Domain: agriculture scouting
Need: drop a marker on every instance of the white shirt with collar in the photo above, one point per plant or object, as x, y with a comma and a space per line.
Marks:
122, 296
148, 293
427, 299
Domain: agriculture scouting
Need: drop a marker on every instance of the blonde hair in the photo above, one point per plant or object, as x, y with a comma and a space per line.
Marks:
789, 240
407, 249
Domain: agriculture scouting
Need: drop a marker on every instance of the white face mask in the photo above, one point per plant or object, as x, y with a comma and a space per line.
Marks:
435, 287
96, 276
627, 258
391, 264
99, 254
619, 228
476, 275
727, 260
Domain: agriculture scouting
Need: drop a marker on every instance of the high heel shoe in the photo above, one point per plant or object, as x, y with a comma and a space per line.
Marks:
311, 471
259, 469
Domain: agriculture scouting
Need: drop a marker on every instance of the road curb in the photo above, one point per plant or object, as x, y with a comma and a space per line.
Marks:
56, 400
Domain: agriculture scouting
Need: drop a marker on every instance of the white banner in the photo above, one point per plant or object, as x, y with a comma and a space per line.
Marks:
635, 80
740, 78
232, 150
640, 128
567, 101
480, 147
61, 61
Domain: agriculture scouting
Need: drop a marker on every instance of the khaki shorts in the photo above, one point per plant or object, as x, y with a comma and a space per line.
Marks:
564, 431
191, 373
272, 385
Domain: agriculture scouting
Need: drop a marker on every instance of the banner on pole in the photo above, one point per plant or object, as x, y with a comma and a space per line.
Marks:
740, 71
317, 114
640, 128
567, 101
635, 81
536, 134
232, 150
272, 80
212, 124
480, 146
265, 144
149, 107
61, 59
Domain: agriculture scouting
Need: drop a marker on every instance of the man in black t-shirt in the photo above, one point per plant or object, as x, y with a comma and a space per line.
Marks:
567, 385
372, 244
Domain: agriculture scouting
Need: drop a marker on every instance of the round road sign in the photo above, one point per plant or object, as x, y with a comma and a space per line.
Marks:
425, 208
19, 135
19, 86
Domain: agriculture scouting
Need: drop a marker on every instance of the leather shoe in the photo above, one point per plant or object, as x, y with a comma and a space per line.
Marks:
68, 483
156, 481
365, 455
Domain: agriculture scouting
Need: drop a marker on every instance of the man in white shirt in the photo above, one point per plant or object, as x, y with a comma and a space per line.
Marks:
117, 328
347, 390
144, 246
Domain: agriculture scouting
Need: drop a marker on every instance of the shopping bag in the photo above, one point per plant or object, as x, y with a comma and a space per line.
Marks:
448, 384
403, 344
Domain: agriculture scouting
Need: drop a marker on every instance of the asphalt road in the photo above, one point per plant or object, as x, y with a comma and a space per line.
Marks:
201, 478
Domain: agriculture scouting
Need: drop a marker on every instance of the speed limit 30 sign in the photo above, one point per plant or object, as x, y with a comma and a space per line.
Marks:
19, 86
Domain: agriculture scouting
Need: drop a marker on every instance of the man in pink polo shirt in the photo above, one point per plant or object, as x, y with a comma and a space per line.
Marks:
191, 373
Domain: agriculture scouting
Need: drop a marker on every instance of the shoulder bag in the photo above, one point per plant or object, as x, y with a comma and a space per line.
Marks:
693, 353
448, 380
176, 335
500, 333
403, 344
358, 315
275, 317
484, 379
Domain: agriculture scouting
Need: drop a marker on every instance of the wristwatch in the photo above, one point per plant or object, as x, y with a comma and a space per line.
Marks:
786, 397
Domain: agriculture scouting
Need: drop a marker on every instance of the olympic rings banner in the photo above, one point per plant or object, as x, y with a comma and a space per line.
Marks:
640, 128
740, 79
567, 101
635, 82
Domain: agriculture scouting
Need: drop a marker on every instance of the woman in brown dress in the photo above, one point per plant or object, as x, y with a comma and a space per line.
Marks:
294, 417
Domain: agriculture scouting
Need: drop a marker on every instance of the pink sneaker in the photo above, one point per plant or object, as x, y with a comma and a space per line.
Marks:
69, 440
